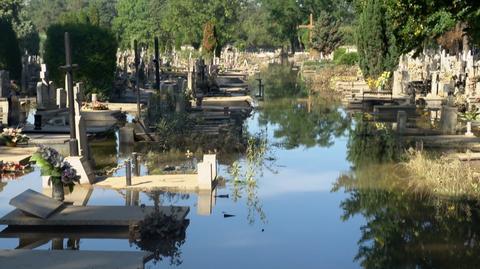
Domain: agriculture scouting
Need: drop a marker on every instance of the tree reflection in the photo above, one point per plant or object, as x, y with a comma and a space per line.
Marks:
281, 81
313, 122
371, 142
405, 229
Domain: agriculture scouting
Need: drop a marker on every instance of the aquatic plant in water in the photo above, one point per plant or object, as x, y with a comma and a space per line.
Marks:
244, 179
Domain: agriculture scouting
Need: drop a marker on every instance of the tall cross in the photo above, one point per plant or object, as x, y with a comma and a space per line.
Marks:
309, 26
68, 68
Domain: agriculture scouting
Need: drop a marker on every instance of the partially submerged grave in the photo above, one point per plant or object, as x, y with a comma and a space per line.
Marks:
35, 209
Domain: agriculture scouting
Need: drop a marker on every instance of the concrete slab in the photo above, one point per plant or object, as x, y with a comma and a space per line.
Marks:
84, 232
125, 107
17, 155
447, 141
93, 216
59, 259
35, 203
48, 139
181, 182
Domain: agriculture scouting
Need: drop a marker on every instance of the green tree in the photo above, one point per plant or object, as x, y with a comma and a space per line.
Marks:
14, 11
285, 15
375, 40
326, 36
10, 57
254, 29
93, 49
139, 20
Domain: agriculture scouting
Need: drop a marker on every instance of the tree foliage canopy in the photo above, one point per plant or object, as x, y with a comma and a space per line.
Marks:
326, 36
93, 49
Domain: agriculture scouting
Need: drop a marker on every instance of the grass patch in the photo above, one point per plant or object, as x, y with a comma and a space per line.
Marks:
442, 176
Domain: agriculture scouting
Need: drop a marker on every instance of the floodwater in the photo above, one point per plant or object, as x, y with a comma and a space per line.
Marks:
307, 207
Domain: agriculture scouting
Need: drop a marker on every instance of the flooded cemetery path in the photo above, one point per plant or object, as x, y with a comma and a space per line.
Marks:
301, 206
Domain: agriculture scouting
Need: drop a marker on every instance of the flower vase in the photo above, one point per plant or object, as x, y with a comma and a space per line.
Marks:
58, 193
469, 129
11, 144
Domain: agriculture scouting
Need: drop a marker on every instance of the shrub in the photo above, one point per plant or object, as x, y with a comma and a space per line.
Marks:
10, 56
341, 57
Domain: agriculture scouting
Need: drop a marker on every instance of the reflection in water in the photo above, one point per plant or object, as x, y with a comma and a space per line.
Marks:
408, 230
163, 235
371, 142
281, 81
297, 125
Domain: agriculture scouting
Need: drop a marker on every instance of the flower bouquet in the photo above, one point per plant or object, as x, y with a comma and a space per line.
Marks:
12, 136
61, 173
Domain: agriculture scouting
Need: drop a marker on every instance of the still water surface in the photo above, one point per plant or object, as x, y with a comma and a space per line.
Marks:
309, 209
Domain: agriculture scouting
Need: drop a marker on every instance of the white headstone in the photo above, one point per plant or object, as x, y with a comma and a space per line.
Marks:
61, 98
81, 131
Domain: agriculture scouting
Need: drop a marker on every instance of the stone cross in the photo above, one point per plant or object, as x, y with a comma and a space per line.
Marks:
73, 143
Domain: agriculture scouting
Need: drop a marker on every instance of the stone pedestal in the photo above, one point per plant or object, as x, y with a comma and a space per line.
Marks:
83, 168
207, 172
126, 135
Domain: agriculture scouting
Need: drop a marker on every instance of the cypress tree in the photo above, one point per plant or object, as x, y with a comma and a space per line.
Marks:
10, 56
375, 41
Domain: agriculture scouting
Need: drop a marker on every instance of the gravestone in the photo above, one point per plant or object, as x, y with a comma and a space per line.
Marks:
61, 98
449, 118
435, 83
94, 98
3, 112
401, 121
36, 204
212, 159
14, 111
42, 96
82, 164
4, 84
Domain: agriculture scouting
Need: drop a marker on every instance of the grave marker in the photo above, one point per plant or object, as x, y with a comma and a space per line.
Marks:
35, 204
